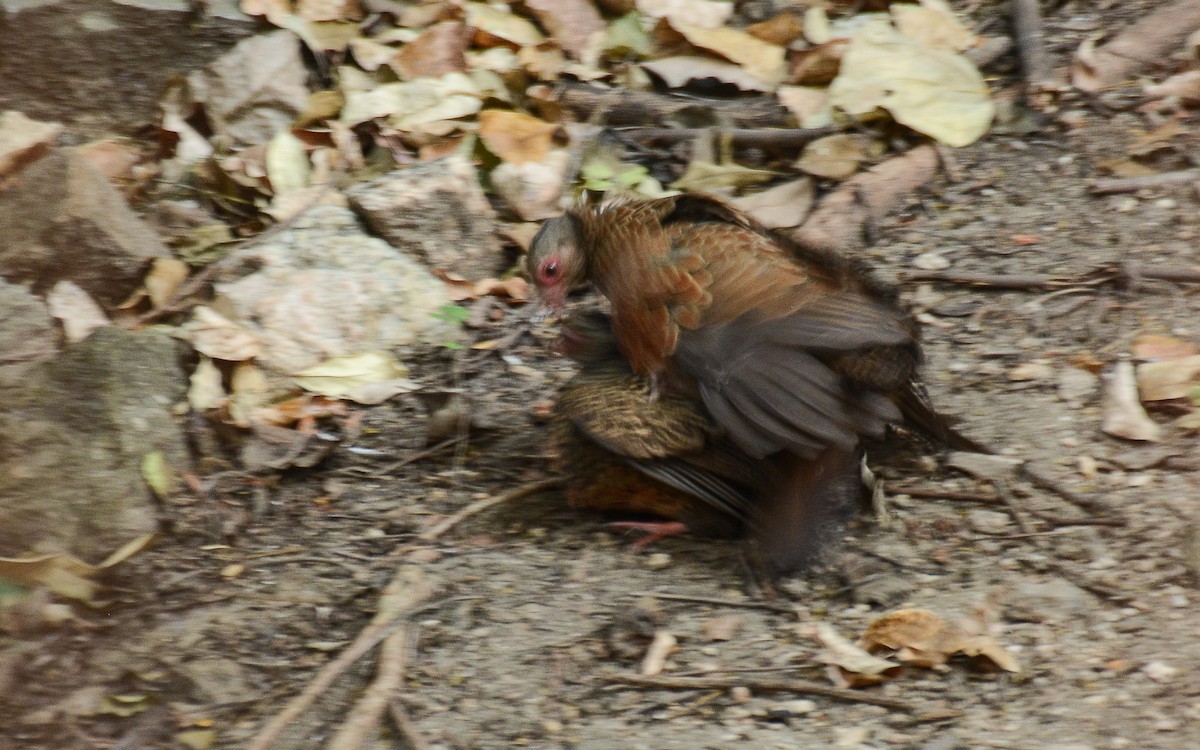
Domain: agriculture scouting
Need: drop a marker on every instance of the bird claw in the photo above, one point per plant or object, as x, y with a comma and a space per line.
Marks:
655, 531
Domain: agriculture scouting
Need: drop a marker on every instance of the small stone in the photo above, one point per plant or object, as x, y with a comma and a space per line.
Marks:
552, 726
931, 262
658, 561
1159, 671
796, 707
1030, 371
740, 693
988, 521
425, 555
1075, 385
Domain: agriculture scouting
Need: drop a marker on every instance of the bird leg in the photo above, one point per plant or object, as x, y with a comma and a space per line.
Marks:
655, 530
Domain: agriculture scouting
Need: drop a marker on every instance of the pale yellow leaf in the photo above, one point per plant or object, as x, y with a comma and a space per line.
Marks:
220, 338
502, 24
205, 390
781, 206
762, 60
79, 313
933, 24
165, 276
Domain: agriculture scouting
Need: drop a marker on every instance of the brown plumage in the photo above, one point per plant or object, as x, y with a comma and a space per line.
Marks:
630, 454
795, 357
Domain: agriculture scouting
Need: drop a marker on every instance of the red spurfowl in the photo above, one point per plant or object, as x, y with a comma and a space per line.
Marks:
665, 458
794, 356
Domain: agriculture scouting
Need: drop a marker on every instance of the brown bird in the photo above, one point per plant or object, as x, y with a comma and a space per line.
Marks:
795, 357
666, 458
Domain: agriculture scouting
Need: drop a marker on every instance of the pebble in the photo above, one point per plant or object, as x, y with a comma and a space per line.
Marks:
931, 262
658, 561
740, 694
1159, 671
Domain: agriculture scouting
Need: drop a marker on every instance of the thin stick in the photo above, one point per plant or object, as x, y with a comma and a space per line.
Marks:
364, 717
766, 685
769, 138
1027, 28
990, 280
932, 493
769, 606
479, 506
406, 728
408, 588
1131, 184
1010, 503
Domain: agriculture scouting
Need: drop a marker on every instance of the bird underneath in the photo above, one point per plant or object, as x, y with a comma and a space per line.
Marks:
794, 357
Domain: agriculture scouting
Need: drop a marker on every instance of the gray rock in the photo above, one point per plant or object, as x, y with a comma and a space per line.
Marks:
64, 220
28, 333
72, 439
1043, 601
437, 211
323, 288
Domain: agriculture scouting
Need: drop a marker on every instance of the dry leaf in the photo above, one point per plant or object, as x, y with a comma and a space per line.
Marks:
439, 50
514, 288
67, 575
722, 628
761, 60
1169, 379
781, 206
1152, 39
656, 655
574, 24
220, 338
414, 104
329, 10
501, 25
707, 14
783, 28
1155, 347
837, 157
249, 392
678, 71
706, 176
205, 389
932, 91
808, 104
922, 638
165, 276
1186, 86
933, 24
1124, 416
23, 140
286, 162
855, 667
533, 189
366, 378
79, 313
819, 65
516, 137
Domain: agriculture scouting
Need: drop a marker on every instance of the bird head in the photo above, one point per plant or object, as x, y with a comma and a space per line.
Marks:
556, 260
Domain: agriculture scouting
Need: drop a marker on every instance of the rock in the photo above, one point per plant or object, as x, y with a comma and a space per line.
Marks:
323, 288
1076, 386
64, 220
983, 465
73, 435
28, 334
1056, 599
436, 211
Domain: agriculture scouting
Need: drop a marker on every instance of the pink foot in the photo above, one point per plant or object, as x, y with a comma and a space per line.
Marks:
655, 530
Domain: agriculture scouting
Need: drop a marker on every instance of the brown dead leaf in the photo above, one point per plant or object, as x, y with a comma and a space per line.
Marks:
678, 71
370, 55
1161, 137
782, 206
922, 638
837, 157
1168, 379
67, 575
517, 137
1150, 40
574, 24
514, 288
1186, 86
439, 50
783, 28
1155, 347
521, 234
165, 276
819, 65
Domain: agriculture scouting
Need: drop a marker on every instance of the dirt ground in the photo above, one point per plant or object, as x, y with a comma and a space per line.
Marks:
532, 603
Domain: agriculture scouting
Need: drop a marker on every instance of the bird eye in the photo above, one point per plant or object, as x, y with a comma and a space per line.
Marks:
550, 270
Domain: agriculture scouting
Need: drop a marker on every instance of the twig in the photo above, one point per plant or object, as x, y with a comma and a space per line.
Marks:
1027, 29
769, 606
405, 727
766, 138
629, 107
990, 280
766, 685
479, 506
1109, 185
1087, 502
1010, 504
934, 493
408, 588
364, 717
